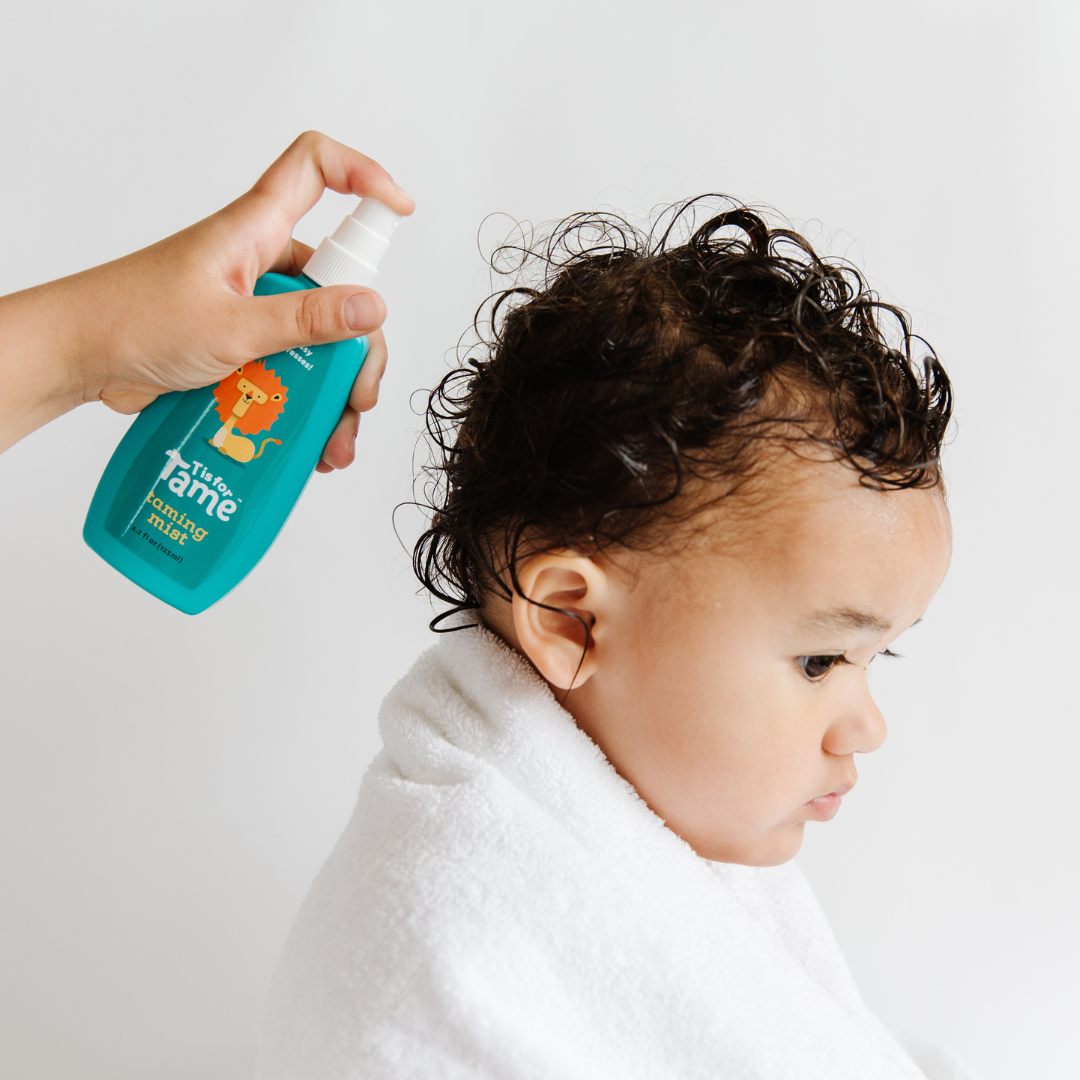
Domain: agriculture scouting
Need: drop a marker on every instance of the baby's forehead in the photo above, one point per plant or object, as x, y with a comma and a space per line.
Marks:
831, 564
807, 504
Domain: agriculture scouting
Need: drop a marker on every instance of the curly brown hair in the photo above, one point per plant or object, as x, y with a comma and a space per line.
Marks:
637, 363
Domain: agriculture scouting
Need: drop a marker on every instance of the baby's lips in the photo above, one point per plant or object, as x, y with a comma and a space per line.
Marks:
840, 792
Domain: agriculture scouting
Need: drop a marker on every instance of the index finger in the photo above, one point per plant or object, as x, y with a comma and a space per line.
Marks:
314, 162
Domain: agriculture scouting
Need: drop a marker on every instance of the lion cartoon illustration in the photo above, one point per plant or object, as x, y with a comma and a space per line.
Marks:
249, 400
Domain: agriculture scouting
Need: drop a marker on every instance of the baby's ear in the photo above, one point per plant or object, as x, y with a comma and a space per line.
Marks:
557, 619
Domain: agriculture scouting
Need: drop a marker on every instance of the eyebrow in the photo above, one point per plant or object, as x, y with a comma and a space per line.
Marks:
847, 619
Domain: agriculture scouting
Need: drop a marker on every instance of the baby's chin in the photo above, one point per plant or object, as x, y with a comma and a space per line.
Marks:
771, 848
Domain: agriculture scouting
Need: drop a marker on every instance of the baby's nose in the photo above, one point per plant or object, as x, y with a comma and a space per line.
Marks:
859, 728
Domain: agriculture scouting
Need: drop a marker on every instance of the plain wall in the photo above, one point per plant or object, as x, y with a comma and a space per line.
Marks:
169, 785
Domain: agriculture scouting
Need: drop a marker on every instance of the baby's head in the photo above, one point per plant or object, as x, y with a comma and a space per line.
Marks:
697, 485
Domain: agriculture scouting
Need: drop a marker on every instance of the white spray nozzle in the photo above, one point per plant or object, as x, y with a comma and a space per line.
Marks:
351, 255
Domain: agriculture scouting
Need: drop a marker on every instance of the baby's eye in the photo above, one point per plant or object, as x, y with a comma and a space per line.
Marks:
817, 667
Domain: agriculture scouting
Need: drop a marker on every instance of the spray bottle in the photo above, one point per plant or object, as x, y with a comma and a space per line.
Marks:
204, 480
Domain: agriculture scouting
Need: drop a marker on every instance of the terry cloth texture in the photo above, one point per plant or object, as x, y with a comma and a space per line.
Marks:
503, 905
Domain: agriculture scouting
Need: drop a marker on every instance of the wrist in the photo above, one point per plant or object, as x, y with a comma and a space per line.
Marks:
53, 352
36, 363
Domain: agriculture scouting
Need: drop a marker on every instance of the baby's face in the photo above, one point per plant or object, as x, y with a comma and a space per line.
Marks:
728, 683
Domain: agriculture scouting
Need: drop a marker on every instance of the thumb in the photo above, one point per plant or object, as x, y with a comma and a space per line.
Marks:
273, 324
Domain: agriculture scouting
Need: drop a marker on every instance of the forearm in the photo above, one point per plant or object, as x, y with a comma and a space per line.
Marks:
48, 337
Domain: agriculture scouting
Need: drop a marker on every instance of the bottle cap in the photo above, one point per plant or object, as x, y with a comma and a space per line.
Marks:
350, 256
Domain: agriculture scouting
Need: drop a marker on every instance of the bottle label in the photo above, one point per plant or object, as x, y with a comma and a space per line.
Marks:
194, 491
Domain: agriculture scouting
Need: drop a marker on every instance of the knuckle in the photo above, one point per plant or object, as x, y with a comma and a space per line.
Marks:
313, 321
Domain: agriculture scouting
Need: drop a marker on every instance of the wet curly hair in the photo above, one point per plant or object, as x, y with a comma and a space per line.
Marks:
624, 365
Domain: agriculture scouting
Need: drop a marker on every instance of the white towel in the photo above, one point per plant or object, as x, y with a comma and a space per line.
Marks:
503, 905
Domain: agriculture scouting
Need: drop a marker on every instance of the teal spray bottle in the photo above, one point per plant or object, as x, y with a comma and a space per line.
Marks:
203, 481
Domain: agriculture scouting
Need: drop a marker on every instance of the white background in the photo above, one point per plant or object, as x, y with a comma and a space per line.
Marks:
169, 785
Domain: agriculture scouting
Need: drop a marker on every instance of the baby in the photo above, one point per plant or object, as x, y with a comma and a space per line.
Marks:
685, 496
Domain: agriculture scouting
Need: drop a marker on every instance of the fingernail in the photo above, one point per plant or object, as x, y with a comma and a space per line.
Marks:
401, 191
363, 311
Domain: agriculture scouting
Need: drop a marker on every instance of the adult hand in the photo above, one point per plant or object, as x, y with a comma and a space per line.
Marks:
180, 313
